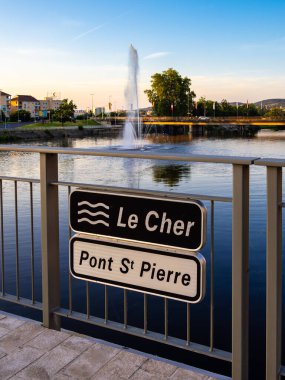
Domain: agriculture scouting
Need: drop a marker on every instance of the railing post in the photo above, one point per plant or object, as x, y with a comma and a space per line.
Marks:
273, 273
240, 291
50, 239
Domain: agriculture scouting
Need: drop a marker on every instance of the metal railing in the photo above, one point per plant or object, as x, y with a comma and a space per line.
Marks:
4, 295
274, 369
52, 309
145, 332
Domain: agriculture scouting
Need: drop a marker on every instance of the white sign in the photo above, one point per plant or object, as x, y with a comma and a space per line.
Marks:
170, 275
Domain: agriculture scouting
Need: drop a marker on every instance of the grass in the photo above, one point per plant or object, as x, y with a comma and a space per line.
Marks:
57, 124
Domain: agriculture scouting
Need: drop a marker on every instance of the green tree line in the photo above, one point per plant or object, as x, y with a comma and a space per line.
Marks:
171, 95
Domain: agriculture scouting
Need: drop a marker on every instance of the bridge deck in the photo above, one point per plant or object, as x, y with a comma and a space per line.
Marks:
30, 351
234, 123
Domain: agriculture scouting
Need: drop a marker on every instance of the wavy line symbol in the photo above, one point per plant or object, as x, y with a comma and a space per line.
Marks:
93, 205
93, 222
93, 216
93, 213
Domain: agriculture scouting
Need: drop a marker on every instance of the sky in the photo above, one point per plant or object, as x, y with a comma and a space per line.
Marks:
232, 50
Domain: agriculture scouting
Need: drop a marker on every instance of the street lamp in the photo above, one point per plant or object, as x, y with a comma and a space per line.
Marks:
110, 108
115, 112
0, 105
18, 111
92, 103
188, 108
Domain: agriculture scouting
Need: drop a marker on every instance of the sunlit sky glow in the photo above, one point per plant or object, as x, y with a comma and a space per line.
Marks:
230, 50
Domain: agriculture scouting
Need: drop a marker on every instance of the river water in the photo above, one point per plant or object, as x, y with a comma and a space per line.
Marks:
193, 178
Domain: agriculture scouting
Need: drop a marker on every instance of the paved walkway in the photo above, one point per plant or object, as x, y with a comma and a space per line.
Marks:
30, 351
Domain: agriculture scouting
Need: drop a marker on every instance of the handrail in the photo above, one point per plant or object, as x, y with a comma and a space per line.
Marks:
151, 193
132, 154
276, 162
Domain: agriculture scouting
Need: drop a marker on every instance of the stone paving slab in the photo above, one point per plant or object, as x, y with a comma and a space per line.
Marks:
19, 336
48, 339
30, 351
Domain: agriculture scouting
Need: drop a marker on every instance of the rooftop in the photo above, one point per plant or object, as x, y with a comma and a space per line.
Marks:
4, 93
25, 98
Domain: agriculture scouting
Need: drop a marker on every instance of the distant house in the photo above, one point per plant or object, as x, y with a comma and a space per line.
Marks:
79, 113
49, 104
99, 111
27, 103
5, 100
147, 111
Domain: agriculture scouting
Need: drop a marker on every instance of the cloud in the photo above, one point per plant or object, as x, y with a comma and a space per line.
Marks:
100, 26
87, 32
157, 55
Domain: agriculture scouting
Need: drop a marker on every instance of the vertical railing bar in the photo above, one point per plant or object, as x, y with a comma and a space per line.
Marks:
106, 303
240, 269
17, 239
125, 308
274, 273
188, 324
69, 274
50, 239
32, 243
87, 300
2, 239
145, 312
165, 318
212, 280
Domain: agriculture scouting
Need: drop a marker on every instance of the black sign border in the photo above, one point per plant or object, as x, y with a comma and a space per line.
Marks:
200, 263
135, 195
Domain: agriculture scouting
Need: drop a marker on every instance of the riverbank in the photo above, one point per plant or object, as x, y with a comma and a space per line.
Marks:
231, 130
38, 132
46, 133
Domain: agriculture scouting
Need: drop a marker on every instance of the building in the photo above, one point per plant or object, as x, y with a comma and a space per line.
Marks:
5, 100
79, 113
49, 104
26, 103
99, 111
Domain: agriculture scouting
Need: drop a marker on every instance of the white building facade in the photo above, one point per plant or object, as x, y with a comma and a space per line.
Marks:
5, 102
26, 103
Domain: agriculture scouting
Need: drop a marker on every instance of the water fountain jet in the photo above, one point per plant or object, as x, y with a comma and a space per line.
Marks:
132, 136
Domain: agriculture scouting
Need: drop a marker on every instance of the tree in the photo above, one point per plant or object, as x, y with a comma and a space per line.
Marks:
65, 111
170, 94
275, 112
2, 116
22, 115
227, 109
205, 107
82, 117
248, 110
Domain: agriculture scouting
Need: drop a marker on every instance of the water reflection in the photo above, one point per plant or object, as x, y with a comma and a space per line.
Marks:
170, 175
162, 139
271, 134
133, 173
